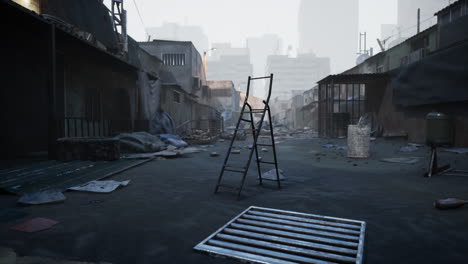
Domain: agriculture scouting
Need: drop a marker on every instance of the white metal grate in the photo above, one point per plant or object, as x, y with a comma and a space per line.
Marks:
263, 235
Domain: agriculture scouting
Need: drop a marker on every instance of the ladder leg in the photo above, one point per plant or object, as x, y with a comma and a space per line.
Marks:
274, 146
230, 148
256, 148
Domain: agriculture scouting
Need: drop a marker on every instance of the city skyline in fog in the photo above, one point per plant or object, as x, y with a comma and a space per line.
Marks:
235, 21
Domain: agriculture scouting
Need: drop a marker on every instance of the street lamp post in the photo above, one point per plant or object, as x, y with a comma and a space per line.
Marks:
205, 53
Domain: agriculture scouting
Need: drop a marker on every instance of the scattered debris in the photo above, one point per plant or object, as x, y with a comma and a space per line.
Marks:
167, 154
235, 151
409, 148
100, 186
221, 140
457, 150
35, 225
173, 140
405, 160
190, 150
449, 203
200, 137
271, 175
42, 197
214, 154
140, 142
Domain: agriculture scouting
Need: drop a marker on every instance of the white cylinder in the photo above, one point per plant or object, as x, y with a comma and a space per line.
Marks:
358, 141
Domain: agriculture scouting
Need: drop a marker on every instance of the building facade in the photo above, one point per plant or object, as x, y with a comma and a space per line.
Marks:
185, 95
174, 31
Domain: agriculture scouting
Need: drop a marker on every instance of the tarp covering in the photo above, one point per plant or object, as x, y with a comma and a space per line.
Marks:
437, 79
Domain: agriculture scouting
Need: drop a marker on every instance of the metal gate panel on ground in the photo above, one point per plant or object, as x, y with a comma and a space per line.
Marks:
263, 235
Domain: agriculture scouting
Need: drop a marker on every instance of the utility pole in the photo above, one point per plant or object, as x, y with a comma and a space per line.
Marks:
419, 20
363, 40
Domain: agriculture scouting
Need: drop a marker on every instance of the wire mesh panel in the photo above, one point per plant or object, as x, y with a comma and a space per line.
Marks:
263, 235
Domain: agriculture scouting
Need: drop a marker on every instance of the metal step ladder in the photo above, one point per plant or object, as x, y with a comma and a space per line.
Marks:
243, 170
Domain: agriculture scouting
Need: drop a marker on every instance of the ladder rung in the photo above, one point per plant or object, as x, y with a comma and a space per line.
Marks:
258, 78
246, 120
267, 162
234, 170
229, 187
255, 111
265, 145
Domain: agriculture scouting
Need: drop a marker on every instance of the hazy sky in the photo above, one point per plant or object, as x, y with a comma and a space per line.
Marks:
235, 20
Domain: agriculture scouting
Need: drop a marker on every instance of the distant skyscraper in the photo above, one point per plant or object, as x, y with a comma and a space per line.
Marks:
228, 63
295, 75
174, 31
330, 29
407, 15
260, 48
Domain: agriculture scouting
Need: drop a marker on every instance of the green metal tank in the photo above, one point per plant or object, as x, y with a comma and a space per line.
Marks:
439, 129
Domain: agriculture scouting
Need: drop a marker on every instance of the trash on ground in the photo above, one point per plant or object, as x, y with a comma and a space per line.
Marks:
221, 140
405, 160
200, 137
35, 225
42, 197
190, 150
214, 154
140, 142
409, 148
235, 151
457, 150
271, 175
100, 186
449, 203
167, 154
173, 140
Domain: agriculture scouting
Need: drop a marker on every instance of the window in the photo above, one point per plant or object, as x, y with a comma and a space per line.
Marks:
174, 59
176, 97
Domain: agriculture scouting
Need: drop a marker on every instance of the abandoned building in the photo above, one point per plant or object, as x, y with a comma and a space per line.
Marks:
185, 94
398, 87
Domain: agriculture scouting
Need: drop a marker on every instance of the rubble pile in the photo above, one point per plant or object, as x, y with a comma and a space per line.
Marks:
200, 137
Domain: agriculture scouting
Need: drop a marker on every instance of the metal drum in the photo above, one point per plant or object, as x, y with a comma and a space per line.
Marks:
439, 129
